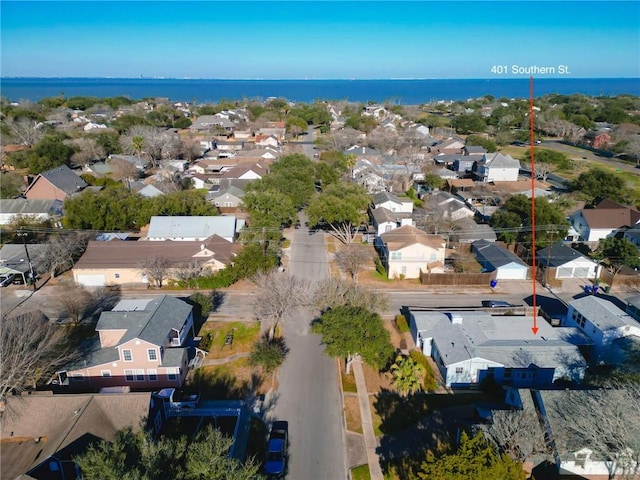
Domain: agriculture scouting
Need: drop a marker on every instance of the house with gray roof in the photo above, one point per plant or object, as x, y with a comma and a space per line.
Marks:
469, 231
562, 261
41, 434
193, 228
226, 197
392, 202
142, 343
36, 210
496, 167
18, 259
471, 346
609, 327
384, 220
59, 183
493, 257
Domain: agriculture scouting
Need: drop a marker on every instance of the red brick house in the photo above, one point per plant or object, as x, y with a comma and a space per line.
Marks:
59, 183
596, 139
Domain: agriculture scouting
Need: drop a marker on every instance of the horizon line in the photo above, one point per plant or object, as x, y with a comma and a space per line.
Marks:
259, 79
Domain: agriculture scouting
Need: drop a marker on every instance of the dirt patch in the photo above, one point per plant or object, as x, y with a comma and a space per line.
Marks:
352, 413
375, 380
229, 381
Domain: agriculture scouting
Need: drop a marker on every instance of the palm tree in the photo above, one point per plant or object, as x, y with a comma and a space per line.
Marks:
408, 375
137, 143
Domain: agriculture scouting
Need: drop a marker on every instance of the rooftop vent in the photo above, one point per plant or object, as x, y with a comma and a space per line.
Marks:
455, 318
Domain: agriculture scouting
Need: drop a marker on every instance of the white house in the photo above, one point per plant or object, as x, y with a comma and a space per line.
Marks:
406, 250
565, 262
193, 228
603, 220
496, 167
384, 220
493, 257
393, 203
470, 346
603, 323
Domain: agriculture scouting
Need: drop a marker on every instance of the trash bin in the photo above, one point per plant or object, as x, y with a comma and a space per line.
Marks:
587, 289
493, 283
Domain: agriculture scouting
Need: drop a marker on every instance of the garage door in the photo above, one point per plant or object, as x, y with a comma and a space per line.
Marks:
564, 273
512, 274
92, 280
581, 272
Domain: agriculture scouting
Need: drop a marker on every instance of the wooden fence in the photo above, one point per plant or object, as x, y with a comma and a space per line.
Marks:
462, 279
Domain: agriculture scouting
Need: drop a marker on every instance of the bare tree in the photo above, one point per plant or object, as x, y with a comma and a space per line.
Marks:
517, 433
61, 252
188, 271
158, 143
155, 268
124, 171
543, 169
436, 218
75, 302
87, 150
30, 351
607, 421
26, 131
353, 259
334, 292
278, 295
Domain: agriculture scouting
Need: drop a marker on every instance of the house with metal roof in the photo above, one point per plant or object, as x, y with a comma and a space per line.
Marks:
562, 261
494, 257
59, 183
609, 327
142, 343
471, 346
193, 228
35, 210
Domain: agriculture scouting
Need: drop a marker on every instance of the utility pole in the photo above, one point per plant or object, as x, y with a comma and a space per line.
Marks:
546, 267
31, 272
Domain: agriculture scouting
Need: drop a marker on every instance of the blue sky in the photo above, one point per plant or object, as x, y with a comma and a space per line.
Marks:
308, 39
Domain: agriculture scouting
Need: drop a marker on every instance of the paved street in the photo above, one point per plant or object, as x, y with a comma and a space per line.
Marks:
308, 395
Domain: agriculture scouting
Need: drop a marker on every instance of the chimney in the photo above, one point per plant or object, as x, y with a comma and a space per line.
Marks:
456, 318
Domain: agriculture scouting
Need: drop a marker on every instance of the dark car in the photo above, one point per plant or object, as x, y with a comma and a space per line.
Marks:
276, 460
496, 304
8, 280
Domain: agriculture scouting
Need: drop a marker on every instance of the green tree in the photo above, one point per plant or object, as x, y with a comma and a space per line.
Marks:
342, 205
434, 181
296, 126
182, 122
597, 183
349, 331
132, 456
125, 122
408, 376
474, 458
268, 353
10, 184
513, 221
109, 141
292, 175
269, 208
541, 155
203, 302
618, 252
488, 144
469, 123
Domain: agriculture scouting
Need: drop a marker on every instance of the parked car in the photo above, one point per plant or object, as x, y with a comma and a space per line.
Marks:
8, 280
497, 304
275, 463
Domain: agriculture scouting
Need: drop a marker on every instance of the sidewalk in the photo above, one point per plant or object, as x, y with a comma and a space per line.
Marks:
370, 443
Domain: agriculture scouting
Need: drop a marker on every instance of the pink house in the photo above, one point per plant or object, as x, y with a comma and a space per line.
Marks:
141, 345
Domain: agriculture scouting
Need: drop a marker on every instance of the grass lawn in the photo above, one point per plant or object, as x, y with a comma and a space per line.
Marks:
361, 473
348, 383
231, 381
244, 336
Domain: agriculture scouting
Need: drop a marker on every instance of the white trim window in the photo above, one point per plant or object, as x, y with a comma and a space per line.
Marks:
140, 375
152, 374
127, 355
129, 375
105, 373
172, 374
152, 354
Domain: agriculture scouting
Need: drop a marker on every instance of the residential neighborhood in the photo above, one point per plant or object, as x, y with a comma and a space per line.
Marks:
380, 271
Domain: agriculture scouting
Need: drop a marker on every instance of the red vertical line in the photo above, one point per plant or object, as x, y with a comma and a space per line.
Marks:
533, 209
